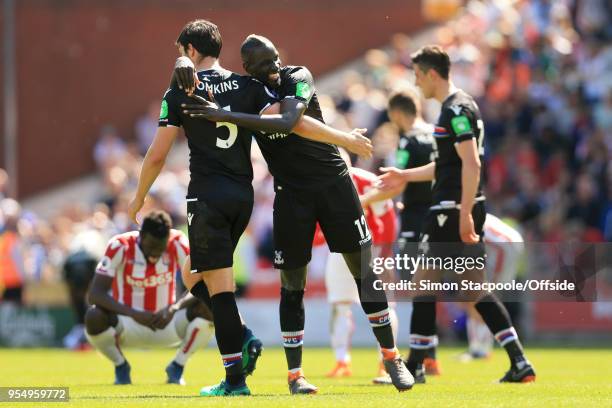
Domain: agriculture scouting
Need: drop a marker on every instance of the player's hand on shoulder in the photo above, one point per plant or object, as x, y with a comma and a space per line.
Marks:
145, 318
205, 109
184, 75
360, 144
392, 178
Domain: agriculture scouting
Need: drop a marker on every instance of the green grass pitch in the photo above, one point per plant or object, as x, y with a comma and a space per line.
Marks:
566, 377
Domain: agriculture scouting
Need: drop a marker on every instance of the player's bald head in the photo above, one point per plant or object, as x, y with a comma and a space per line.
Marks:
254, 43
260, 60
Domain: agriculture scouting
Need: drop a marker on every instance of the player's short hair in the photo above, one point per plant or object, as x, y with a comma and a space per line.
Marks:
432, 57
203, 35
251, 42
405, 101
157, 224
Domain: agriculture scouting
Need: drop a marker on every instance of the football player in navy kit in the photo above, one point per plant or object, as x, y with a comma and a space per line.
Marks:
220, 194
457, 213
312, 185
415, 149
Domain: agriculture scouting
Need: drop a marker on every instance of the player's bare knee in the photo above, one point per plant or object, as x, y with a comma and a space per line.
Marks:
97, 320
294, 279
219, 280
190, 279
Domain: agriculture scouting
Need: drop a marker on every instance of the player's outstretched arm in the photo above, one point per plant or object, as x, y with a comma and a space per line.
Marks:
290, 120
151, 166
394, 178
354, 142
291, 111
375, 195
99, 295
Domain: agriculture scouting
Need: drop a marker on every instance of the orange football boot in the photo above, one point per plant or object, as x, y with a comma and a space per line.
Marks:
342, 369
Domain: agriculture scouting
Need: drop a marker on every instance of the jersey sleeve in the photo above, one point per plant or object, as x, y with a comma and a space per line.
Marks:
182, 248
457, 120
260, 97
112, 259
299, 84
168, 113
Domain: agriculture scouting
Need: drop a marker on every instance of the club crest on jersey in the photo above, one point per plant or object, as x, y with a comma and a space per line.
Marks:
189, 218
456, 109
442, 219
278, 258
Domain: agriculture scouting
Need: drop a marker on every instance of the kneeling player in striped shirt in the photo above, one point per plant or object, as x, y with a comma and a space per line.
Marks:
134, 302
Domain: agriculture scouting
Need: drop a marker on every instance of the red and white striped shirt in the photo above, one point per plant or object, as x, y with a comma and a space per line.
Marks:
380, 215
138, 283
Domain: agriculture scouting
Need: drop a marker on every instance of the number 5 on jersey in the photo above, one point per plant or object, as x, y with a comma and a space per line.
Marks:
233, 132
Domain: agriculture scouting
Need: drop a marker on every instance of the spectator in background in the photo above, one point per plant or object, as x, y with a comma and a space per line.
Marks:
40, 253
110, 149
86, 249
11, 252
366, 106
593, 16
603, 116
377, 62
331, 115
607, 224
587, 209
401, 50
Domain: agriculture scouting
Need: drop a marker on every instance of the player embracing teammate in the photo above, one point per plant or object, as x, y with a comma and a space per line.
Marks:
312, 185
220, 194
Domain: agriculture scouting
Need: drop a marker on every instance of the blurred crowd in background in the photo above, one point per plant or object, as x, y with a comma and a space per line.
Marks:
541, 72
